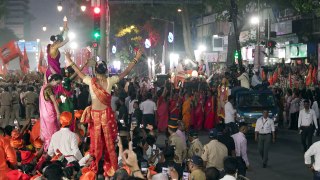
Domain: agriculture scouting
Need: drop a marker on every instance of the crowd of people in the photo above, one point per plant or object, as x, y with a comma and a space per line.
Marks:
83, 127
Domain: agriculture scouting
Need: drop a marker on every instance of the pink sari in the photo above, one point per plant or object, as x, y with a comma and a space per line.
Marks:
48, 119
163, 114
210, 113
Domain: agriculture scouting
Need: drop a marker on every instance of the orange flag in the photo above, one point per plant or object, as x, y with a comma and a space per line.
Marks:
275, 76
309, 76
24, 62
42, 66
9, 51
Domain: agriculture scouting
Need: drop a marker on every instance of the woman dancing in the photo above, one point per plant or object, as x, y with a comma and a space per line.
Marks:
54, 53
100, 117
49, 111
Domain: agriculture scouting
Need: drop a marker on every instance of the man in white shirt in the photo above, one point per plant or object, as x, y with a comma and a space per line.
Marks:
230, 113
240, 142
230, 168
314, 150
148, 108
131, 102
65, 141
244, 79
263, 130
306, 122
256, 80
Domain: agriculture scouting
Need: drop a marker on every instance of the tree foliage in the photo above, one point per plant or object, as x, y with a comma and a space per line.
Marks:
6, 35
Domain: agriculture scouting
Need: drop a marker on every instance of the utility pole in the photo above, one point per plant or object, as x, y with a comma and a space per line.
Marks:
234, 14
102, 48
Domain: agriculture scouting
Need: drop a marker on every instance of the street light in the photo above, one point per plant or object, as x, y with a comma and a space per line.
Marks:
71, 35
38, 40
59, 6
179, 10
73, 45
44, 28
61, 28
254, 20
202, 48
83, 8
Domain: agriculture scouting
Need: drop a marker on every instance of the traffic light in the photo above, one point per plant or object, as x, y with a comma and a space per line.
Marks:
271, 44
96, 22
236, 55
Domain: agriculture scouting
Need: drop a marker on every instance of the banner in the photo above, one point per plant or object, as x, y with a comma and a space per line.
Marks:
24, 62
9, 51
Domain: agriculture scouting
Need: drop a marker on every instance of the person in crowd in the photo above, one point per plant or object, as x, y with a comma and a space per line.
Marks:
181, 131
15, 113
30, 100
195, 165
101, 113
65, 141
186, 110
294, 110
83, 98
288, 99
177, 142
264, 131
54, 53
313, 153
174, 105
223, 93
196, 147
5, 109
209, 110
244, 78
167, 160
241, 149
214, 152
230, 168
256, 80
225, 138
162, 110
133, 99
230, 114
148, 108
212, 173
114, 99
306, 123
123, 112
137, 113
202, 68
7, 158
198, 111
49, 111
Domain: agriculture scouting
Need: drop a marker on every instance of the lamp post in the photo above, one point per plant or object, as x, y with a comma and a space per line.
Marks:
59, 6
44, 28
256, 21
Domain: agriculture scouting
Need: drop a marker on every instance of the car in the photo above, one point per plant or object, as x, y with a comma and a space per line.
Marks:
251, 103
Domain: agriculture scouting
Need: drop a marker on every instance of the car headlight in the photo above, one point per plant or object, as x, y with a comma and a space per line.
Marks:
275, 117
240, 118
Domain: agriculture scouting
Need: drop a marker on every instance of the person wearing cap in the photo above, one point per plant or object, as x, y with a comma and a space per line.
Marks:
196, 147
244, 78
195, 165
263, 130
306, 123
177, 142
65, 141
214, 152
5, 109
241, 148
30, 99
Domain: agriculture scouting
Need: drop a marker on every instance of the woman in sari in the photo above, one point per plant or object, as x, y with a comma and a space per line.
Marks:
100, 116
163, 111
54, 53
223, 93
210, 119
49, 111
187, 110
199, 111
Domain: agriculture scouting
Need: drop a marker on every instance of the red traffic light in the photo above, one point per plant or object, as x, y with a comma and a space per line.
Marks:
94, 44
96, 10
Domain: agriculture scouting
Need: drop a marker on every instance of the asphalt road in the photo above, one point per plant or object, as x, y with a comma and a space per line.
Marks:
286, 159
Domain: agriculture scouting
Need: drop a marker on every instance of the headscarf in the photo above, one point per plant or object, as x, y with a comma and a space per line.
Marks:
65, 118
16, 141
78, 114
38, 143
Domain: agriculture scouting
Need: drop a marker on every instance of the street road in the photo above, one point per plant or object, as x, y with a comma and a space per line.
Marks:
285, 157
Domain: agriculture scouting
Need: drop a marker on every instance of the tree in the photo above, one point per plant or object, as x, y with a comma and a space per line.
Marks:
7, 35
245, 8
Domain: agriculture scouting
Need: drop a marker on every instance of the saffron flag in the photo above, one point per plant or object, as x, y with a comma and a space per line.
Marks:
24, 62
9, 51
42, 66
